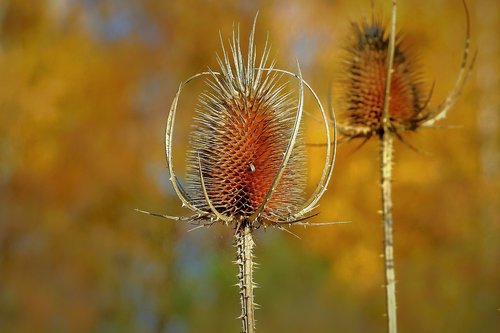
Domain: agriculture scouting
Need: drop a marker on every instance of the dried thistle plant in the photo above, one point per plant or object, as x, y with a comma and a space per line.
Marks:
246, 166
384, 97
375, 56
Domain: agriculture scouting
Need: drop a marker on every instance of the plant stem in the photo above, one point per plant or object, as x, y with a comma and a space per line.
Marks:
244, 260
390, 274
386, 151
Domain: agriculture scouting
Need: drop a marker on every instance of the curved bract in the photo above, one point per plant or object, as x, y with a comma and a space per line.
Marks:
463, 75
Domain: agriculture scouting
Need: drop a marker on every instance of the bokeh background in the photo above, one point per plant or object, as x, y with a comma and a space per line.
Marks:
85, 86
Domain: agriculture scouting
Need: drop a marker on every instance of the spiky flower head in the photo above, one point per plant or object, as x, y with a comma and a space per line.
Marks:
364, 82
247, 158
366, 74
241, 130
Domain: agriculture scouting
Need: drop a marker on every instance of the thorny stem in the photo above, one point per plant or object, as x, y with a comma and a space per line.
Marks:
385, 180
244, 260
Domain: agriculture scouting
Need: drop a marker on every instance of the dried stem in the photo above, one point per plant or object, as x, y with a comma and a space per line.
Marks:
386, 152
244, 260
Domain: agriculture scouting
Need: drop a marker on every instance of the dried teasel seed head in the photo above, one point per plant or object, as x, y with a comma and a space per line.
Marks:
364, 84
246, 165
241, 130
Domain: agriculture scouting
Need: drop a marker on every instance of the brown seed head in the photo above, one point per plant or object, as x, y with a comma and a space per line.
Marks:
242, 127
247, 164
365, 81
364, 84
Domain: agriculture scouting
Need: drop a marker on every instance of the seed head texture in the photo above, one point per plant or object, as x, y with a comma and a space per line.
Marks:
241, 130
366, 75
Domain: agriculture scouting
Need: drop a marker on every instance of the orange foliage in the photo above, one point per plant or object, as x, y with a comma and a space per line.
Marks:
84, 91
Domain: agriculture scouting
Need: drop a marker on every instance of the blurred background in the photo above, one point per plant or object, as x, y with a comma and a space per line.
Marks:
85, 87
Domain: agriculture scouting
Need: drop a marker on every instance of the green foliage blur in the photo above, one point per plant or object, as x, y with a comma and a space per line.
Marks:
85, 87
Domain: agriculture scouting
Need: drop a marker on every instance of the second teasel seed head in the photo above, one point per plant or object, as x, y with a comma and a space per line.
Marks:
363, 83
364, 80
